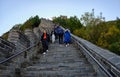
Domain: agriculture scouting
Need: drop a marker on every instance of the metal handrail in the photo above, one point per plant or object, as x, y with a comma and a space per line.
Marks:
99, 64
6, 46
87, 51
111, 64
7, 41
15, 55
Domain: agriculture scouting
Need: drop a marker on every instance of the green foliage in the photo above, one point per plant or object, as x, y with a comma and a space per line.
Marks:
118, 23
17, 26
99, 32
31, 23
104, 34
71, 23
82, 33
95, 32
88, 19
115, 47
74, 23
102, 42
62, 21
113, 35
5, 35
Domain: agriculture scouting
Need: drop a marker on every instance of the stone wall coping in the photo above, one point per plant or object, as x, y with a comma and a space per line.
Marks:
110, 57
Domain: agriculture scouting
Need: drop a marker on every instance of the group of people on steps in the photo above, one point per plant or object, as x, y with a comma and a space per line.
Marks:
64, 37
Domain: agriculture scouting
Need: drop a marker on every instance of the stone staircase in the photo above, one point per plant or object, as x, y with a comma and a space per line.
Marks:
6, 70
6, 50
60, 61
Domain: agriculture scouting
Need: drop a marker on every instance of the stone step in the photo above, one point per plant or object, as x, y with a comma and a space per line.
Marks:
60, 61
47, 60
70, 64
60, 67
59, 74
5, 73
5, 76
62, 55
4, 67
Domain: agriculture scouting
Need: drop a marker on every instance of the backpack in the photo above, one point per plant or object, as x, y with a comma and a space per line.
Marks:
60, 31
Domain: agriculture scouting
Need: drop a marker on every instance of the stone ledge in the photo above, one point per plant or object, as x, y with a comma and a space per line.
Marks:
112, 60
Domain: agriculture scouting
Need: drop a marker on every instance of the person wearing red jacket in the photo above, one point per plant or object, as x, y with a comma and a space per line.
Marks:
45, 40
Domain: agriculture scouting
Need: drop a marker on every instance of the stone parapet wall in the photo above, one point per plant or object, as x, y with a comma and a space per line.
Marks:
109, 60
26, 47
31, 36
6, 42
37, 32
20, 40
46, 25
16, 61
6, 47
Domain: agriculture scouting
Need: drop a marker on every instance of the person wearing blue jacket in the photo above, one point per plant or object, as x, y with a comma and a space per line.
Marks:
67, 37
60, 33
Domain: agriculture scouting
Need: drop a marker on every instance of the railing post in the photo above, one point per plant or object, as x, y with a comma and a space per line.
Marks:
25, 54
17, 72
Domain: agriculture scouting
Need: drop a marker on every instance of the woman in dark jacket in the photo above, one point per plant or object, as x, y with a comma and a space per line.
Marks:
67, 37
45, 40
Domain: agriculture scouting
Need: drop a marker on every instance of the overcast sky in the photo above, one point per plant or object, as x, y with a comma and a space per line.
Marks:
18, 11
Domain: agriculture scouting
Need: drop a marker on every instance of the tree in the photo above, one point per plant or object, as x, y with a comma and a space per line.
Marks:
31, 23
36, 21
88, 19
74, 23
115, 47
17, 26
96, 30
5, 35
71, 23
118, 23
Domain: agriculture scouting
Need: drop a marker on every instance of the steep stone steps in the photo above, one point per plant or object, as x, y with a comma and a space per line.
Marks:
5, 70
70, 73
5, 73
60, 61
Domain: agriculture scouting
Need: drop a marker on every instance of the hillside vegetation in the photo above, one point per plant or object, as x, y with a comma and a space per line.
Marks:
28, 24
94, 29
89, 27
